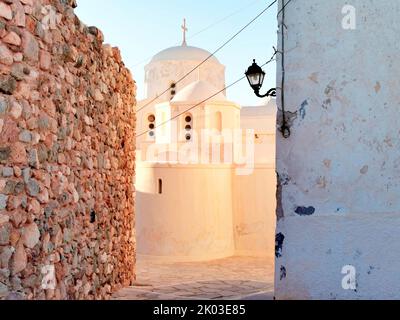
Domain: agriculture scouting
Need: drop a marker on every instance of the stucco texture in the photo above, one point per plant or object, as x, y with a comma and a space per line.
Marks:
339, 171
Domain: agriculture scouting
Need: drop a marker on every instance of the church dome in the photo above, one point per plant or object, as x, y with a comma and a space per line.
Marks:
184, 53
197, 92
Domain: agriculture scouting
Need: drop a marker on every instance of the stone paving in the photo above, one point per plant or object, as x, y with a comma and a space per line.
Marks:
235, 278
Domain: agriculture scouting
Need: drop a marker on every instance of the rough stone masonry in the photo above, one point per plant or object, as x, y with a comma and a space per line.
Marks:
67, 127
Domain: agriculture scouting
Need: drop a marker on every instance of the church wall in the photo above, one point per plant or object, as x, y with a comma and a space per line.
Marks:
142, 123
67, 127
229, 116
160, 75
339, 183
254, 194
192, 219
254, 212
264, 127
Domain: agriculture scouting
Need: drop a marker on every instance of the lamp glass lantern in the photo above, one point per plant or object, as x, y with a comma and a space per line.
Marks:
255, 75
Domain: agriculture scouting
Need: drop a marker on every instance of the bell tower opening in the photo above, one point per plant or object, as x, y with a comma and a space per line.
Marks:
160, 186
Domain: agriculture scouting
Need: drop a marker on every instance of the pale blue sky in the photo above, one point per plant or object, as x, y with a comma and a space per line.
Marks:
143, 28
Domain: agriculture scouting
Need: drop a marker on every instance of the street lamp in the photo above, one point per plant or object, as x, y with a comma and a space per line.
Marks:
255, 75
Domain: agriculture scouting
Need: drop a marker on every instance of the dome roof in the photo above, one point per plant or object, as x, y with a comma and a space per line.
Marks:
182, 53
197, 92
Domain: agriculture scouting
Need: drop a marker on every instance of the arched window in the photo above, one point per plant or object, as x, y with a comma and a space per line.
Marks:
218, 121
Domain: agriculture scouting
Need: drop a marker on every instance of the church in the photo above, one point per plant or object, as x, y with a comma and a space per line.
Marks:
206, 180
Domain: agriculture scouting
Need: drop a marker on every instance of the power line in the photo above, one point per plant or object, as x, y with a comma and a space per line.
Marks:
283, 7
223, 19
211, 55
205, 100
209, 26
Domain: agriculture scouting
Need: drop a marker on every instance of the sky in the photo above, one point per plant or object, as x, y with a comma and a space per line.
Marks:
142, 28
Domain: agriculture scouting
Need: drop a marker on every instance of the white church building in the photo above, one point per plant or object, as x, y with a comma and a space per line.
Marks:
206, 181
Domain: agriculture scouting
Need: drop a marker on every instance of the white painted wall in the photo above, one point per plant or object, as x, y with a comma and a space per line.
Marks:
254, 207
247, 203
341, 163
262, 119
254, 195
192, 220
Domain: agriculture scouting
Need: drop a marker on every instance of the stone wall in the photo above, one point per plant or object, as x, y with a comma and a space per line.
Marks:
66, 156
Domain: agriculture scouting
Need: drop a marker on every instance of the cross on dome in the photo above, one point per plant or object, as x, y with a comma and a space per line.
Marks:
185, 29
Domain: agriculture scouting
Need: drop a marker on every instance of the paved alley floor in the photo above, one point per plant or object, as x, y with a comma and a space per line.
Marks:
236, 278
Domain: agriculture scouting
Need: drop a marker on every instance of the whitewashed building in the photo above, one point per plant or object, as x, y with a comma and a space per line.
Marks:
191, 204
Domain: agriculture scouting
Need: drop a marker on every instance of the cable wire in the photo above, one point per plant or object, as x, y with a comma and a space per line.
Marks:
205, 100
208, 27
283, 7
223, 19
211, 55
